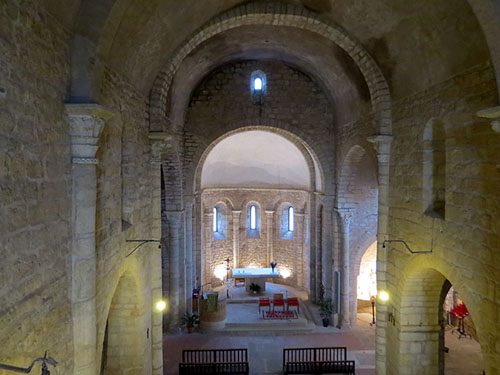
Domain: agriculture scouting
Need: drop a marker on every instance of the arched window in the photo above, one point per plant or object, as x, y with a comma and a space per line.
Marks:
258, 83
291, 219
219, 222
287, 222
434, 169
215, 215
253, 221
253, 217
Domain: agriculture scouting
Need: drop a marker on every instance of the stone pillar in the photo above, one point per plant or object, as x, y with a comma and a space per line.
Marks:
236, 237
190, 266
157, 148
174, 221
382, 144
345, 290
327, 246
269, 237
86, 122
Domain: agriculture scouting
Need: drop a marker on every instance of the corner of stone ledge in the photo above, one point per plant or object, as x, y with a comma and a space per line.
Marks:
89, 109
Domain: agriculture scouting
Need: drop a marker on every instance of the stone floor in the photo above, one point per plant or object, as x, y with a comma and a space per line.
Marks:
464, 356
265, 346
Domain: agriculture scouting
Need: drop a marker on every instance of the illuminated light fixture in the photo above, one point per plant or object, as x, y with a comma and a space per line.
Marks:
285, 272
383, 295
161, 305
220, 271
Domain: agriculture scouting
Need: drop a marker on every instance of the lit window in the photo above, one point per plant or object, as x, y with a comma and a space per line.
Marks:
291, 220
253, 218
214, 220
257, 84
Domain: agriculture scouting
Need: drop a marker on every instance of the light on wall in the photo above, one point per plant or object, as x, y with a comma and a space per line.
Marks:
220, 271
161, 305
383, 295
285, 272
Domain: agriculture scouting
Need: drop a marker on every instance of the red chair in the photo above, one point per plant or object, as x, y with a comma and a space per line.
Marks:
292, 301
264, 302
278, 300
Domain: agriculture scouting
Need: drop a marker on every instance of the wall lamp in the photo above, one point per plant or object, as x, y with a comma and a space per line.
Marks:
407, 247
142, 242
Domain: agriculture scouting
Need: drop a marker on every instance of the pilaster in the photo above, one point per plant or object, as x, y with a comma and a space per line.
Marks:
86, 122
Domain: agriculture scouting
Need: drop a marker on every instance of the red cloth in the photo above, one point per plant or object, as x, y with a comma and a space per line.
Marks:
460, 310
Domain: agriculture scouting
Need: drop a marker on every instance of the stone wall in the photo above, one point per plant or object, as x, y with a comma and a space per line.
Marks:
464, 243
290, 252
35, 188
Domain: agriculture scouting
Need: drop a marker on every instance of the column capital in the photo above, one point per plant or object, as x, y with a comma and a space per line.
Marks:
86, 122
269, 212
345, 215
382, 143
159, 142
492, 114
236, 212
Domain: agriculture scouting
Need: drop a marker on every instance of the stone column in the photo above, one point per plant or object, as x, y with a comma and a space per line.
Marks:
345, 316
382, 144
190, 267
269, 237
86, 122
174, 221
236, 237
327, 247
157, 148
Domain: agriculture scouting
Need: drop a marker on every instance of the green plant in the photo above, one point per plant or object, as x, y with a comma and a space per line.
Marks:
254, 288
326, 308
189, 320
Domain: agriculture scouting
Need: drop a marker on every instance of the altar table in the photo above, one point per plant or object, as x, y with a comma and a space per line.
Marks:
255, 275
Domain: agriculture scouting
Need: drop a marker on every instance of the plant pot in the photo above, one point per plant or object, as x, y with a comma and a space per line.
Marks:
190, 329
326, 322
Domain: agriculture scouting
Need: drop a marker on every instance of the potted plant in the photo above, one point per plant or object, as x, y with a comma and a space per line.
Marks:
254, 288
189, 321
326, 311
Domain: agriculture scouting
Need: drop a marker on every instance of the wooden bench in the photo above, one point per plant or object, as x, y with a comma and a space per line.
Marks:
214, 361
317, 361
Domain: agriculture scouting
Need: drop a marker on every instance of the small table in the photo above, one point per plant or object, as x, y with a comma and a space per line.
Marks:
255, 275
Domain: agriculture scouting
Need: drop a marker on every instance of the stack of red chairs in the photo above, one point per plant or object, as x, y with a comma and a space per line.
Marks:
460, 311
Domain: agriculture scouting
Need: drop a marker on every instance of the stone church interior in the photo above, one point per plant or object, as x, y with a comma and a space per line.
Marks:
186, 177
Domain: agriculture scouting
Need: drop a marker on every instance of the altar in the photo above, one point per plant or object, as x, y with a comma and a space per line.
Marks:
255, 275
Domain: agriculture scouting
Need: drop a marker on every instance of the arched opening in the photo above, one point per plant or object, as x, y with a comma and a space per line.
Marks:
460, 351
428, 331
124, 347
357, 205
366, 286
269, 178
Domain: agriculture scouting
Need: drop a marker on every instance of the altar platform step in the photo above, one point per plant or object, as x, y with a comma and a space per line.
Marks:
245, 318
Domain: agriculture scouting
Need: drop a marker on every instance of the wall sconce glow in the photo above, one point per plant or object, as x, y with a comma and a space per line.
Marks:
285, 272
383, 295
220, 271
161, 305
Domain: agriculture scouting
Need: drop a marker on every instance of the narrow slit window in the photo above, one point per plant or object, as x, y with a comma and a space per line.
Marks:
291, 220
253, 218
214, 220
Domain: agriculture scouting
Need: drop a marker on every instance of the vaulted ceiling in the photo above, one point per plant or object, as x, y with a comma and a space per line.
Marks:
415, 43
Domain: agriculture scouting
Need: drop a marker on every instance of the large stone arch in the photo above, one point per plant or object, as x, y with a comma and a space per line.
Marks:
351, 220
277, 14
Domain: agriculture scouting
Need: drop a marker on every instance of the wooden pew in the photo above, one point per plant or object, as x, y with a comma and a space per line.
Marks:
317, 361
214, 361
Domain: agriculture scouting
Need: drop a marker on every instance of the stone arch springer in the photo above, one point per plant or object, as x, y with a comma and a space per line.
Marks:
276, 14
